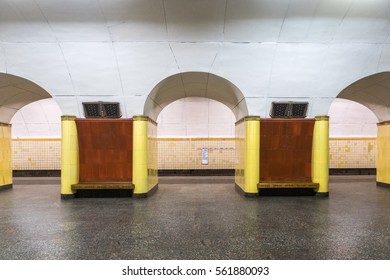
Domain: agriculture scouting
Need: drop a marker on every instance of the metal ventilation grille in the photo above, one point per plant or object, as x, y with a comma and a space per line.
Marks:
299, 109
111, 110
91, 110
279, 110
101, 109
289, 109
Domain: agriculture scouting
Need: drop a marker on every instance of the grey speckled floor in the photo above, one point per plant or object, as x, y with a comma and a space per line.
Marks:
199, 218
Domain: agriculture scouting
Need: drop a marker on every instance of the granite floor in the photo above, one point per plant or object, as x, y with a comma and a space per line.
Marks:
196, 218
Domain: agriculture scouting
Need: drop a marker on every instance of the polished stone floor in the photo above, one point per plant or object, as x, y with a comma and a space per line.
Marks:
196, 218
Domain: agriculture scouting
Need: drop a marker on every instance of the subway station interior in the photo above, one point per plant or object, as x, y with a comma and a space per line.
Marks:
183, 129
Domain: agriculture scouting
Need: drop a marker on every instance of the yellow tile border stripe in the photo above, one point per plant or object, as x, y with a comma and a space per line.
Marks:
196, 139
36, 139
352, 138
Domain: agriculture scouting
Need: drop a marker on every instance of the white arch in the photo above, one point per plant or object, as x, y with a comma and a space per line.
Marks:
373, 92
15, 93
195, 84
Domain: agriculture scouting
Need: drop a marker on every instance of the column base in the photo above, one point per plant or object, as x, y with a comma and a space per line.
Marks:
381, 184
322, 194
243, 193
6, 187
145, 195
67, 196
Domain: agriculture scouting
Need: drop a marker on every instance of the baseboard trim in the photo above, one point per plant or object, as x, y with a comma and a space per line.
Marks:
196, 172
36, 173
149, 193
243, 193
67, 196
322, 194
352, 171
6, 187
381, 184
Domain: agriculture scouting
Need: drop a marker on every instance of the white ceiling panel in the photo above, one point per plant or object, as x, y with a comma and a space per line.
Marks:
42, 63
254, 21
195, 56
319, 106
93, 68
23, 17
384, 60
134, 104
74, 20
200, 20
69, 105
326, 19
248, 66
297, 70
136, 20
144, 65
365, 21
256, 106
297, 20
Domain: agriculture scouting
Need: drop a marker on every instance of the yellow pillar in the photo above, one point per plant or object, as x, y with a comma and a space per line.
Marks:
252, 158
320, 155
247, 174
383, 154
69, 156
5, 156
140, 156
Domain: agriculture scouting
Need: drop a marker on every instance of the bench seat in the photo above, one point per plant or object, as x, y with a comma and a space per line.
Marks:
287, 185
103, 186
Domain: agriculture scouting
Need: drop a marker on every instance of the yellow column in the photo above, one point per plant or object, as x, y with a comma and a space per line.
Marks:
320, 155
152, 155
69, 156
140, 156
252, 158
5, 156
383, 154
240, 155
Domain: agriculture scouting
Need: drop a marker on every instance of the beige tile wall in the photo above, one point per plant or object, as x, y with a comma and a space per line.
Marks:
36, 154
352, 152
186, 153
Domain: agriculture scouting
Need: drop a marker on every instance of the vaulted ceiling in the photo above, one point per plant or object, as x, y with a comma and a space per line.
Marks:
119, 50
373, 92
200, 20
15, 93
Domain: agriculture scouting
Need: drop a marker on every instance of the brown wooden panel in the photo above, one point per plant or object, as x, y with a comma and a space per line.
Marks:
285, 150
105, 149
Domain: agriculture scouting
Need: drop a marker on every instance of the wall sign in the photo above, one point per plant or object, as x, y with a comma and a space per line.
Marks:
205, 156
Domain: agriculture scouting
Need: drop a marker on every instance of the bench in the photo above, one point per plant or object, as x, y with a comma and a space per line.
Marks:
287, 188
103, 186
287, 185
103, 189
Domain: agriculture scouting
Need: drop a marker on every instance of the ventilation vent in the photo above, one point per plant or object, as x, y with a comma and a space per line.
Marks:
289, 109
101, 109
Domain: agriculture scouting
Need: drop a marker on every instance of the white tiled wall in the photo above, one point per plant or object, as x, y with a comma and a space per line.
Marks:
40, 119
196, 117
351, 119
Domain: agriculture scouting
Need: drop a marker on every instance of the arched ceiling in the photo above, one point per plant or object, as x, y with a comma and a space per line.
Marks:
201, 20
118, 50
15, 93
373, 92
195, 84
